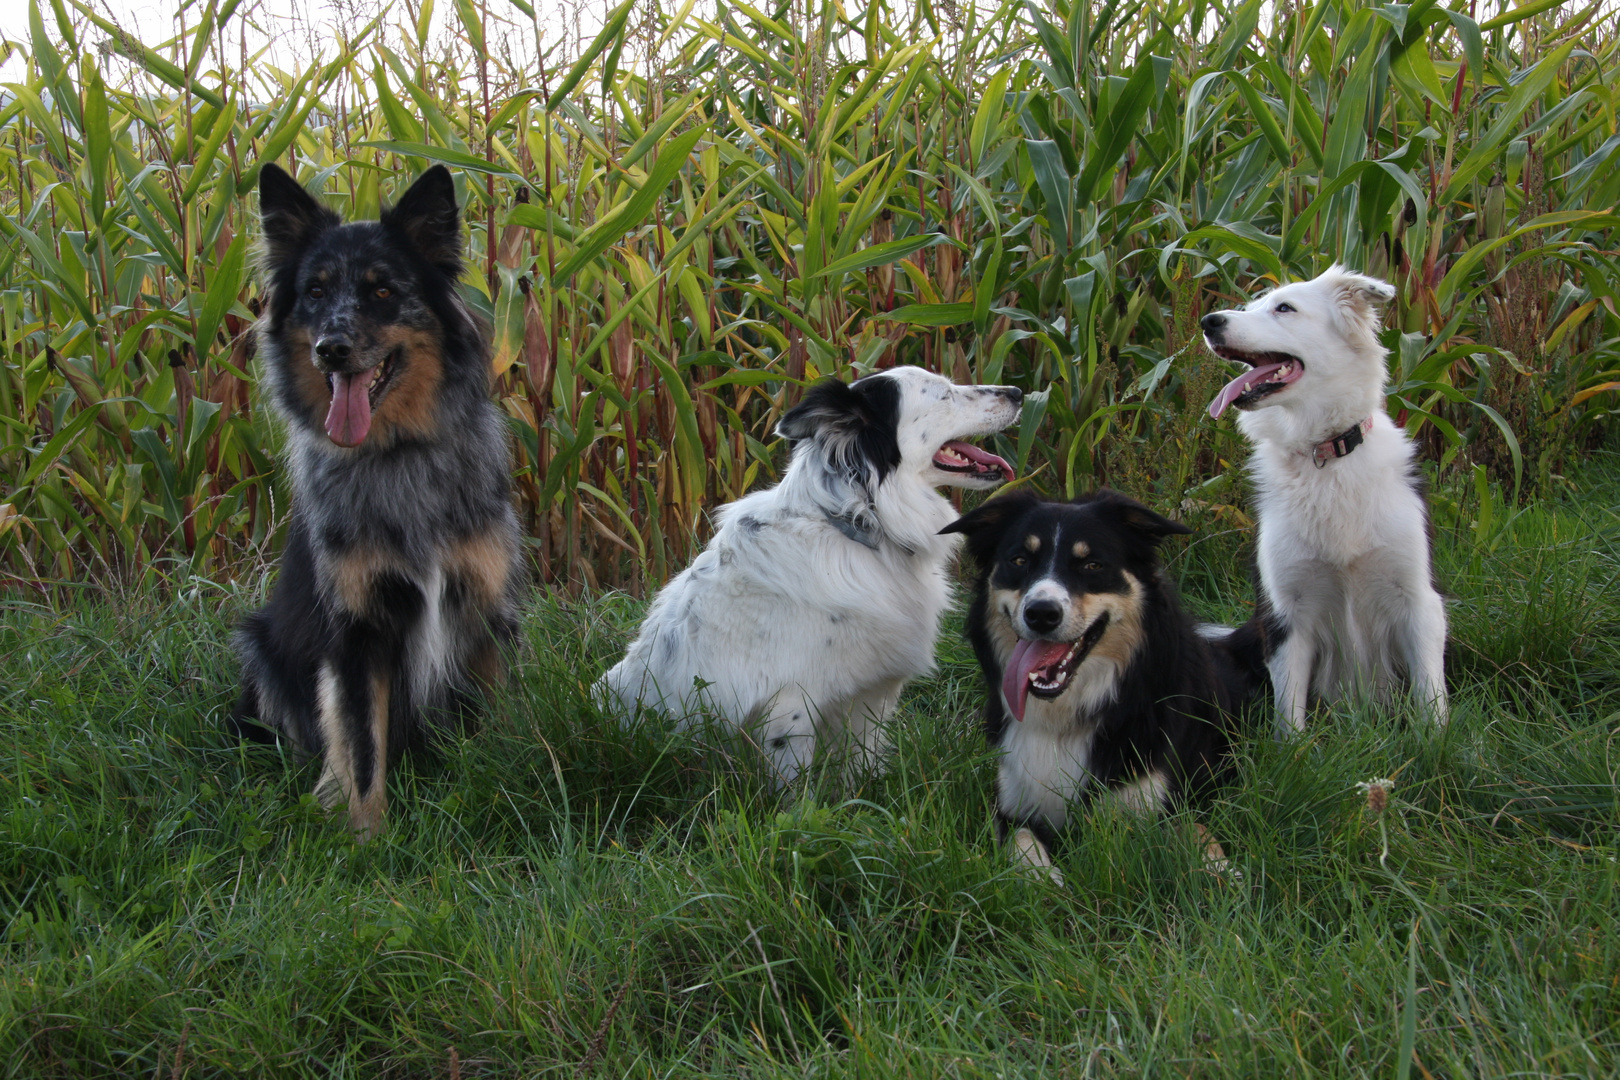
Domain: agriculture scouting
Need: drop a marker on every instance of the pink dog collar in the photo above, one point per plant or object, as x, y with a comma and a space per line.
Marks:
1342, 444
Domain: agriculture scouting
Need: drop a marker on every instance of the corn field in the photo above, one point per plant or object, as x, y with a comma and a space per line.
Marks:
679, 223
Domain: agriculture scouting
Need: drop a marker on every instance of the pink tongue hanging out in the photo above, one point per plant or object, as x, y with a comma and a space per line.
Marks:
1028, 657
349, 418
1248, 381
956, 455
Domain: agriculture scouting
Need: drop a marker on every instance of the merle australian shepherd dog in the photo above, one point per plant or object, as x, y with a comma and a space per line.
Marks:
400, 577
1100, 686
817, 600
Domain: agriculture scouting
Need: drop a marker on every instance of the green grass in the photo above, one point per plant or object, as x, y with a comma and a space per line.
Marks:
555, 896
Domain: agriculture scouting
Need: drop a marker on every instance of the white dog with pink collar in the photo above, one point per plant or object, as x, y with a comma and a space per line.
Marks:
1346, 584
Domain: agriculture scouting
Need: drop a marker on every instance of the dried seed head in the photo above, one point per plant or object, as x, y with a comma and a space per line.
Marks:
1377, 792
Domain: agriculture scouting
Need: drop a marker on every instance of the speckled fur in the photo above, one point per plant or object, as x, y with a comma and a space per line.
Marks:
795, 627
401, 574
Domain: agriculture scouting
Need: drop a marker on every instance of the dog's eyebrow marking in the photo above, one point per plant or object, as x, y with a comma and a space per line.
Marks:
1032, 542
1081, 549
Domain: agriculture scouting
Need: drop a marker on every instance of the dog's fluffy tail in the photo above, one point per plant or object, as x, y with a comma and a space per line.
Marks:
244, 725
1242, 653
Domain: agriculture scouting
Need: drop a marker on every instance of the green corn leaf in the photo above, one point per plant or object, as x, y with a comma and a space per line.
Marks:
222, 294
612, 31
223, 124
1114, 135
58, 445
1518, 14
458, 158
634, 210
148, 59
1473, 43
1502, 128
987, 119
97, 140
1055, 187
929, 314
879, 255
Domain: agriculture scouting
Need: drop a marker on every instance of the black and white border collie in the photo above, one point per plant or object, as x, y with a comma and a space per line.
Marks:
1099, 685
817, 600
1343, 555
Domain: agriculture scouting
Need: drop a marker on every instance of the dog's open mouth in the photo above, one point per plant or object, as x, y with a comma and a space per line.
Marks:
354, 395
1268, 373
1045, 668
968, 460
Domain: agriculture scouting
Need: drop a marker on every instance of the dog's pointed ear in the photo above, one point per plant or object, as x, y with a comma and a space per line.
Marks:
429, 218
1152, 527
1360, 298
985, 526
291, 217
826, 407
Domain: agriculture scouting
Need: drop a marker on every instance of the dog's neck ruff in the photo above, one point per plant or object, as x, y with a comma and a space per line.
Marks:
870, 538
1342, 444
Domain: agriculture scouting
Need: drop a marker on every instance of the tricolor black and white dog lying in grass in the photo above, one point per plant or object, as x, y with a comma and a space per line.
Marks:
1346, 586
817, 600
1100, 687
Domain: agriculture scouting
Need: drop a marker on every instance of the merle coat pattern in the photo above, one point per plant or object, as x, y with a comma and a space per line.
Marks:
400, 579
817, 600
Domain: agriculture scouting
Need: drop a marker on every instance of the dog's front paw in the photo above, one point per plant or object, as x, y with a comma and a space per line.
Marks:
1031, 855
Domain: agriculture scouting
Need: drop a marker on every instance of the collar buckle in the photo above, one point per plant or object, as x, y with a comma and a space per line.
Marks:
1342, 444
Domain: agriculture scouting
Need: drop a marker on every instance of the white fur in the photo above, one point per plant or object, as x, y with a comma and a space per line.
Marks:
1344, 552
1045, 762
791, 630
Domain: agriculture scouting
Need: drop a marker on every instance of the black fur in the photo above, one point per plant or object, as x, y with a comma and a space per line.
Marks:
401, 569
1174, 705
857, 425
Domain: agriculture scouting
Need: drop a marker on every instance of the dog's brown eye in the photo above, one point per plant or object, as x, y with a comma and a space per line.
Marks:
1019, 560
384, 292
316, 292
1092, 565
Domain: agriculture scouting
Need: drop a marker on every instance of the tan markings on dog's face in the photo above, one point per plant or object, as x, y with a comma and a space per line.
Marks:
1032, 542
351, 576
1125, 633
309, 382
1003, 607
410, 405
1081, 549
483, 563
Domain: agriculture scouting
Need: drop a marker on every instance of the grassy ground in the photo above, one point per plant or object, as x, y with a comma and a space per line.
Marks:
557, 897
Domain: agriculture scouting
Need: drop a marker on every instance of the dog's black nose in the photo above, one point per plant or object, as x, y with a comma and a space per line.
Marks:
1213, 322
1042, 616
1013, 394
334, 348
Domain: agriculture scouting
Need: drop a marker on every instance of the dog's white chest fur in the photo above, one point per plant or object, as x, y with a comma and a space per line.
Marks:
1044, 762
